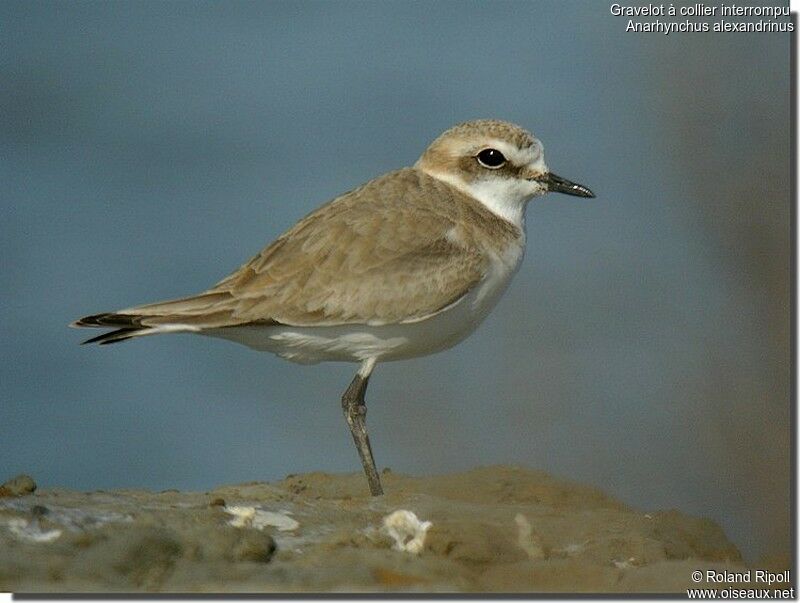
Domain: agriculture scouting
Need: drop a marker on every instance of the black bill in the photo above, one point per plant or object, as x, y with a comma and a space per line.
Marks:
557, 184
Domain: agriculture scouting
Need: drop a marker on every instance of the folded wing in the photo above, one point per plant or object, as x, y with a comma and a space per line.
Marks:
381, 254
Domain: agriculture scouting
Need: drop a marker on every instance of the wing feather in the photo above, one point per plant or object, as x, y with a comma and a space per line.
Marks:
383, 253
391, 262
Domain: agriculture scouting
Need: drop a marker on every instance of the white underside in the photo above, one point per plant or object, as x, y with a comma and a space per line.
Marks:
357, 343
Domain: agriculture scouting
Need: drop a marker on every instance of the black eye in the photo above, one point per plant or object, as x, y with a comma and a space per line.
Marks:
491, 158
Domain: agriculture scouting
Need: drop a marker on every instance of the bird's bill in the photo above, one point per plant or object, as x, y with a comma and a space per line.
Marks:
557, 184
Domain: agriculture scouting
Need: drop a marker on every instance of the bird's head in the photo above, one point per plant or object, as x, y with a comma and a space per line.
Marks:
498, 163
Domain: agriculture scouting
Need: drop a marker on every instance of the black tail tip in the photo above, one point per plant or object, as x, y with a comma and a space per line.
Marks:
112, 337
95, 320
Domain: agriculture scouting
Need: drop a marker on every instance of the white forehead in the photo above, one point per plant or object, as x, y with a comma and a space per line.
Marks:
532, 154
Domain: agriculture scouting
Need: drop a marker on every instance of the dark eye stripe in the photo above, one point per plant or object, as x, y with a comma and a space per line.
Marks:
491, 158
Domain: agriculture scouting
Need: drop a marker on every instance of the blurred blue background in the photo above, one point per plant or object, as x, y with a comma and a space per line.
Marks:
150, 148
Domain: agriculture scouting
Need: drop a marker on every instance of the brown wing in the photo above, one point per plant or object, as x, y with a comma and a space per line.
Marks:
380, 254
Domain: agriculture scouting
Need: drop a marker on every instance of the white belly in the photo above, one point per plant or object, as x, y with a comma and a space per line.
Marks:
356, 343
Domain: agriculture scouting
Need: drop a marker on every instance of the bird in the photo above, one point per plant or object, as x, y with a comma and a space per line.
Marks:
405, 265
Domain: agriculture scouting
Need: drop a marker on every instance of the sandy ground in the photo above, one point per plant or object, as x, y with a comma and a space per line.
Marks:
498, 529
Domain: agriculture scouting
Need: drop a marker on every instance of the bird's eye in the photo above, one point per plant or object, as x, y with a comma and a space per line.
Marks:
491, 158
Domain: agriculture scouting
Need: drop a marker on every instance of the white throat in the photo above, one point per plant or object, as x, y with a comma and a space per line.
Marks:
503, 197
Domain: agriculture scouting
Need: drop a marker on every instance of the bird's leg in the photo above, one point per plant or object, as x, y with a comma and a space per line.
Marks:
355, 412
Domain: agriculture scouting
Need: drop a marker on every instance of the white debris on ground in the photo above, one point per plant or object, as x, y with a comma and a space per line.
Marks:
31, 531
572, 549
407, 531
65, 518
70, 518
252, 517
527, 539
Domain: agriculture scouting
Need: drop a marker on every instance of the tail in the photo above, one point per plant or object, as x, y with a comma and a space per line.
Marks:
127, 327
191, 314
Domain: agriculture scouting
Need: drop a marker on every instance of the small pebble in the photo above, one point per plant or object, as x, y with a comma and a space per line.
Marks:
217, 502
39, 510
253, 546
18, 486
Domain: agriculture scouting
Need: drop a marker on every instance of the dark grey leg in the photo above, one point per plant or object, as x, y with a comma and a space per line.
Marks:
355, 412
